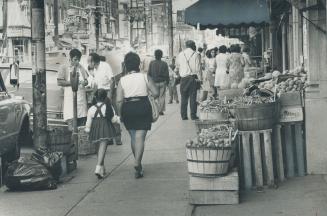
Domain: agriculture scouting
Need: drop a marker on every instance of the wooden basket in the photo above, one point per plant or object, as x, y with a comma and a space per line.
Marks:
257, 116
59, 138
204, 115
205, 124
208, 162
85, 147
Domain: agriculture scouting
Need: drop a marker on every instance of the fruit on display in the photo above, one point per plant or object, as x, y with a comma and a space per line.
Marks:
215, 137
250, 100
212, 105
291, 84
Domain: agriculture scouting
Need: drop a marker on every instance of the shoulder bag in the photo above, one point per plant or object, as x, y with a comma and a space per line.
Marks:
154, 104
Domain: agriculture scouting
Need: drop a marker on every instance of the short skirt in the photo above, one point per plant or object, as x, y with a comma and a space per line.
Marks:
137, 113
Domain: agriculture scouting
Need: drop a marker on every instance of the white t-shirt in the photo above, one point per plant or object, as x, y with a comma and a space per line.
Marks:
134, 85
103, 75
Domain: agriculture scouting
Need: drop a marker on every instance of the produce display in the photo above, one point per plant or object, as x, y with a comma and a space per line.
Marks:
243, 84
249, 100
213, 106
216, 137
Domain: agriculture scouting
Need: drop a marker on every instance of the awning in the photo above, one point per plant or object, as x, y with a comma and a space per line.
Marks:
227, 13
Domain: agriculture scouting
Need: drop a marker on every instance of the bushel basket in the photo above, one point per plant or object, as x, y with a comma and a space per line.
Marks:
256, 117
205, 124
208, 162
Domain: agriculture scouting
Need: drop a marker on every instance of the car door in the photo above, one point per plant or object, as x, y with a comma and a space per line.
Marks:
7, 125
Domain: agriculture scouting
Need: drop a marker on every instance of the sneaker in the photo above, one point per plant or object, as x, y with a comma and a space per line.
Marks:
138, 171
161, 113
184, 118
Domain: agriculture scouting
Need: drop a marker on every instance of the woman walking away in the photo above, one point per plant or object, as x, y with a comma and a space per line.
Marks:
221, 77
134, 106
235, 64
99, 125
208, 76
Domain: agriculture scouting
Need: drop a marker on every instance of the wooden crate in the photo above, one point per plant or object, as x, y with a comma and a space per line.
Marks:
256, 158
85, 147
290, 147
291, 107
214, 191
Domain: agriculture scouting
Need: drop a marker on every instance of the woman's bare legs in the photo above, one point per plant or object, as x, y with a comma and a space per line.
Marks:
100, 170
139, 149
132, 135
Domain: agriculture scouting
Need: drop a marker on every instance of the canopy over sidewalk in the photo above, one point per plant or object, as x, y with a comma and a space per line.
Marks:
227, 13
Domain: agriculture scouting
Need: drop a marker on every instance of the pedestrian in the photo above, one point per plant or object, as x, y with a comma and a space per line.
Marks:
63, 80
221, 77
159, 72
246, 57
134, 107
188, 67
235, 64
104, 79
100, 128
208, 75
172, 86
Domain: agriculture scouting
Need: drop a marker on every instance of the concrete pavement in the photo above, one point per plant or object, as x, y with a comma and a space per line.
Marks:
164, 189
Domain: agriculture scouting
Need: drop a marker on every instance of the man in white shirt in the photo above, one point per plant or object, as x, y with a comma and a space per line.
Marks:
188, 66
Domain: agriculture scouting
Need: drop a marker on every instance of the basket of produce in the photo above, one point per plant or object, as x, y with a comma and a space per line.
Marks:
213, 110
85, 147
210, 154
205, 124
255, 112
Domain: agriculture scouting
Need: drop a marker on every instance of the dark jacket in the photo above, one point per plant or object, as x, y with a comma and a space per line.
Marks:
158, 71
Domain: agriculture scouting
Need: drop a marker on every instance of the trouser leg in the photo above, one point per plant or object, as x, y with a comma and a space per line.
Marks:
193, 104
184, 102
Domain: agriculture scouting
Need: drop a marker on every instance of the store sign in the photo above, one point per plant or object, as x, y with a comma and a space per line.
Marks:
18, 32
291, 114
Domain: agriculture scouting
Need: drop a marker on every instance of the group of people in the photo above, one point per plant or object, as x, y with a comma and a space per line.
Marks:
126, 100
223, 66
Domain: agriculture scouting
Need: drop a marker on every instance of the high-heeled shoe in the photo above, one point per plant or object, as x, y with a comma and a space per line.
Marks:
138, 171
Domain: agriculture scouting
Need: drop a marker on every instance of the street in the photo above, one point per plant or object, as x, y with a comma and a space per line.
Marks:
164, 188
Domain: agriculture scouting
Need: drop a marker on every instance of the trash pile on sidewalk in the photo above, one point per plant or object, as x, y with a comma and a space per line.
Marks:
39, 172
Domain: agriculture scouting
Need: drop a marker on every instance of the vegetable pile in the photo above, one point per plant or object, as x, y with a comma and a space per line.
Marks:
213, 106
291, 85
216, 137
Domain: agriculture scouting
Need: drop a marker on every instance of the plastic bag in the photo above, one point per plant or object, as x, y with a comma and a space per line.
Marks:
26, 174
51, 160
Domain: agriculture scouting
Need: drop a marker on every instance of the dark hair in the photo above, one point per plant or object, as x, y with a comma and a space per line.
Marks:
132, 62
75, 52
158, 54
235, 48
95, 57
190, 44
222, 49
246, 49
100, 95
102, 58
200, 49
208, 53
216, 49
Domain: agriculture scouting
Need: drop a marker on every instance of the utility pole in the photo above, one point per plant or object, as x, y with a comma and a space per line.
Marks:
97, 23
56, 20
39, 75
170, 28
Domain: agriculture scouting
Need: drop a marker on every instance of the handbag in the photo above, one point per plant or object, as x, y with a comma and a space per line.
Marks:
154, 105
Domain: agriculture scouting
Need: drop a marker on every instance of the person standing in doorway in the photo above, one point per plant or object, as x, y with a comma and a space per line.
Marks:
159, 72
188, 66
172, 86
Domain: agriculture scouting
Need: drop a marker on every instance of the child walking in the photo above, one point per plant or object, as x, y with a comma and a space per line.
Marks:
100, 128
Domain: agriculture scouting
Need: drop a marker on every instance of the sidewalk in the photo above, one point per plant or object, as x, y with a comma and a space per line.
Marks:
162, 191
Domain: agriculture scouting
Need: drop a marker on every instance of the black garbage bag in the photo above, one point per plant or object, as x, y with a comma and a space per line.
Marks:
51, 160
26, 174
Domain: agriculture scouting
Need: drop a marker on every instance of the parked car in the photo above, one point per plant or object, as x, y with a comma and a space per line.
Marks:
54, 92
14, 124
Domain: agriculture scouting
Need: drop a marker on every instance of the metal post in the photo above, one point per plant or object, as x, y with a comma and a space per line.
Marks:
97, 24
56, 20
39, 75
170, 28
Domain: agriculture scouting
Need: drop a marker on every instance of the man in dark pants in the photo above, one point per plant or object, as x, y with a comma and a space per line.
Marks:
188, 67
